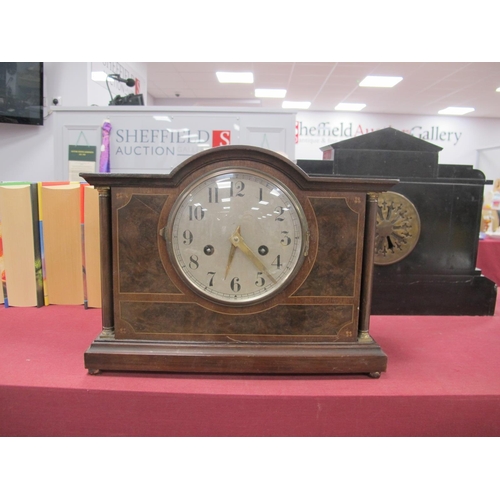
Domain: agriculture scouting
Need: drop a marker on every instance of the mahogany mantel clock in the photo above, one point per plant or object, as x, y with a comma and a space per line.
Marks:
236, 262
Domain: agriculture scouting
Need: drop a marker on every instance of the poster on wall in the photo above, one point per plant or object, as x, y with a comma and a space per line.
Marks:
81, 158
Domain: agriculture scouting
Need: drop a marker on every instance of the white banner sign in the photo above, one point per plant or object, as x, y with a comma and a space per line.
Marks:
460, 137
156, 143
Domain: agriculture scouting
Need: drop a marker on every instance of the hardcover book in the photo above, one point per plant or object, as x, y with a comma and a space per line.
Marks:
60, 227
91, 247
20, 258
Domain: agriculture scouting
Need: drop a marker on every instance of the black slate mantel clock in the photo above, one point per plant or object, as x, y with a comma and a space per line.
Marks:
236, 262
427, 234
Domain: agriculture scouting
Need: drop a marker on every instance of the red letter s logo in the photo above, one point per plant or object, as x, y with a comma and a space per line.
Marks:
221, 138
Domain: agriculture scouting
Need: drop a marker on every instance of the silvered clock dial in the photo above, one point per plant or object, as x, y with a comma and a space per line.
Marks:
237, 236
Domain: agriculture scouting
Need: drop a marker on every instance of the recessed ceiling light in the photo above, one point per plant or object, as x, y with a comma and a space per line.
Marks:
278, 93
498, 89
455, 111
296, 104
163, 118
380, 81
234, 77
99, 76
349, 106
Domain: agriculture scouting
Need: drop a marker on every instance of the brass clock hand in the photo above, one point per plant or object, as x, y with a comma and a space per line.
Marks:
230, 259
238, 242
231, 251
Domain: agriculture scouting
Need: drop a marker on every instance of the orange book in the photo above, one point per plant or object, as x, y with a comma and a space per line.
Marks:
3, 283
60, 222
20, 265
91, 247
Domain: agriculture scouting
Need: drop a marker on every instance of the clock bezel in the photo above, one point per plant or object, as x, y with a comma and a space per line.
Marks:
226, 170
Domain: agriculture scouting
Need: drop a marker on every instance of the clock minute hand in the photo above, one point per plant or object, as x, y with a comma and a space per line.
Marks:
238, 242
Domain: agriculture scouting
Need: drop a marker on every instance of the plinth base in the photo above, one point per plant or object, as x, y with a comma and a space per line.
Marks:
433, 295
203, 357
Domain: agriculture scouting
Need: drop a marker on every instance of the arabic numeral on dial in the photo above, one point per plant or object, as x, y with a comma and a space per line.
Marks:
193, 262
236, 189
188, 237
235, 285
211, 276
260, 282
196, 213
286, 240
279, 211
277, 262
213, 195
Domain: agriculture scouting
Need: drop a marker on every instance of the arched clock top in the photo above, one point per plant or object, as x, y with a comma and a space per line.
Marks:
236, 156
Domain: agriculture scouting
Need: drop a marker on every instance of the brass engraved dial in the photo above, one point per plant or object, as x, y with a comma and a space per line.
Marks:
397, 230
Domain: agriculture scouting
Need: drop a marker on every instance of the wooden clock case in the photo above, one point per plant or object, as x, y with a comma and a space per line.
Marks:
153, 321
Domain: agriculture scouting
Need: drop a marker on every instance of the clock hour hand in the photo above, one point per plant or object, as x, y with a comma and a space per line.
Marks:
238, 242
230, 259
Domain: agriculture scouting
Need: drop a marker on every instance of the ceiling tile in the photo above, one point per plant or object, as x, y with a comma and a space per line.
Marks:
426, 86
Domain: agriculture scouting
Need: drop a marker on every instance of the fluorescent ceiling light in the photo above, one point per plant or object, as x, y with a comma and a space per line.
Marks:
234, 77
455, 111
99, 76
296, 104
278, 93
380, 81
349, 106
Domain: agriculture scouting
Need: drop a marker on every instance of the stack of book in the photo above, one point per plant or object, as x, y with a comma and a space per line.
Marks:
49, 244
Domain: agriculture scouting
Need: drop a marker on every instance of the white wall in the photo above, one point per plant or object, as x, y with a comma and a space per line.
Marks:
488, 161
67, 81
27, 152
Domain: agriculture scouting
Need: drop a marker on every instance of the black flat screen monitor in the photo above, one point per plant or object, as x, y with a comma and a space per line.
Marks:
21, 93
